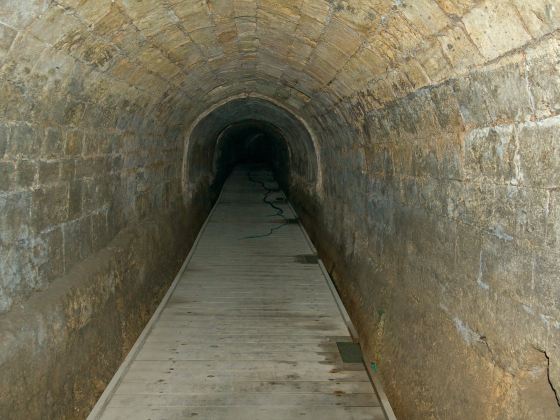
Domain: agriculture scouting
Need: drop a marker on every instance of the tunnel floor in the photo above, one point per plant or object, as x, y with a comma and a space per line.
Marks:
248, 330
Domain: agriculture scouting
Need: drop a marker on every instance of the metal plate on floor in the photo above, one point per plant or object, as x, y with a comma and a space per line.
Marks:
349, 352
307, 259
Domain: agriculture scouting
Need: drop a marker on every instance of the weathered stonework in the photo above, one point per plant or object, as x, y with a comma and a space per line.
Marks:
454, 281
432, 129
61, 347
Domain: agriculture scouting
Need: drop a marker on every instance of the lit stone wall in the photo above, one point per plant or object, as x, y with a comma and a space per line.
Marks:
437, 138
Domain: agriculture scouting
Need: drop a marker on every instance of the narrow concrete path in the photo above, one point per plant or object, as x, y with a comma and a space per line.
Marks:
248, 332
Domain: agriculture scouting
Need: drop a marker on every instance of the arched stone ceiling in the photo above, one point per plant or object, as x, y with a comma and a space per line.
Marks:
308, 53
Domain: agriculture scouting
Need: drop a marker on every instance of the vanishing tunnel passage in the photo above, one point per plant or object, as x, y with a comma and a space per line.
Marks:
418, 141
250, 328
251, 141
240, 130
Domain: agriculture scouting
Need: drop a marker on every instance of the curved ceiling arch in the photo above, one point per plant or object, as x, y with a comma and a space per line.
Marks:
245, 95
204, 132
304, 52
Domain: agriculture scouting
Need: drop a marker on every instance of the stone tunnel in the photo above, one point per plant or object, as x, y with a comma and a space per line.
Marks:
417, 140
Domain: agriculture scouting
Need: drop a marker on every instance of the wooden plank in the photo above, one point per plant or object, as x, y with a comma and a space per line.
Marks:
241, 399
244, 413
259, 330
213, 355
218, 311
213, 371
247, 348
184, 385
205, 337
182, 320
249, 331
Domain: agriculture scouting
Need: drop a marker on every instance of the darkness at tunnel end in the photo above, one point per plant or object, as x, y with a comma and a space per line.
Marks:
248, 130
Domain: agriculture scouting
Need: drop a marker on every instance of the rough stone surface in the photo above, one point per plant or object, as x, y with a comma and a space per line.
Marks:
61, 347
431, 132
443, 239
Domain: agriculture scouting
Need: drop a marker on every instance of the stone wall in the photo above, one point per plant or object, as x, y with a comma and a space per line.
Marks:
92, 225
440, 224
61, 347
80, 158
435, 131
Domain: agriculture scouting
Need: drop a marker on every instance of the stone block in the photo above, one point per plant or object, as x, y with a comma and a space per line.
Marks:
91, 142
26, 171
53, 266
7, 36
77, 241
24, 141
116, 164
467, 248
494, 96
451, 155
426, 16
376, 155
18, 274
88, 193
75, 199
521, 212
7, 175
543, 75
53, 143
425, 161
496, 28
14, 217
72, 112
49, 206
18, 13
544, 288
505, 269
455, 205
539, 153
479, 198
539, 16
96, 193
4, 130
446, 107
434, 62
100, 230
49, 171
67, 169
490, 153
74, 142
458, 49
553, 220
402, 158
93, 167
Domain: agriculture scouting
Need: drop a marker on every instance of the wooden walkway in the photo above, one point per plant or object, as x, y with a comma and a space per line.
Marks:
247, 331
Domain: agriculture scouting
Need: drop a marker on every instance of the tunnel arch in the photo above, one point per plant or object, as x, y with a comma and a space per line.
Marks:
203, 135
429, 121
235, 143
